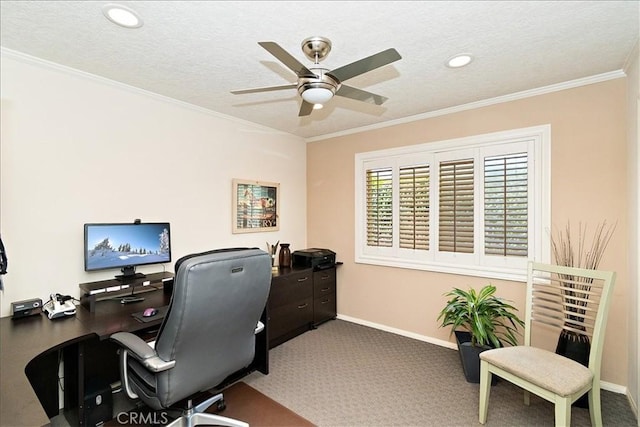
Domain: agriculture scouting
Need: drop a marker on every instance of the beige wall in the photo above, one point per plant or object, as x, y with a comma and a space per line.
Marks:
589, 184
633, 105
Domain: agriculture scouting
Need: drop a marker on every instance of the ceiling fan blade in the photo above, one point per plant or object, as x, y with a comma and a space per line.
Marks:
365, 64
285, 57
360, 95
264, 89
305, 109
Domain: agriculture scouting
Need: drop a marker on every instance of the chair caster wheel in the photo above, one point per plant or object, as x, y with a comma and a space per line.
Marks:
222, 405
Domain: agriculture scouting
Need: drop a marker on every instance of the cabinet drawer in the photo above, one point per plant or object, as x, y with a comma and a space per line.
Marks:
286, 318
292, 287
324, 282
324, 308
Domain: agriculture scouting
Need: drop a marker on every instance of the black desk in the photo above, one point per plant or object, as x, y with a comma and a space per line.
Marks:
31, 348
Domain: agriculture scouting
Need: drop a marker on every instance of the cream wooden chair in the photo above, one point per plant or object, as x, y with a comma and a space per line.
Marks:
568, 298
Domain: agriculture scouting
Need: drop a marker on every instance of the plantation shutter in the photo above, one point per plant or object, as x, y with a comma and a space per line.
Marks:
506, 205
456, 206
414, 207
379, 207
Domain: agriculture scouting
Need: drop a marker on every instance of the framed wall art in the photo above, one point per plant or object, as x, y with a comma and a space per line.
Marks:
256, 206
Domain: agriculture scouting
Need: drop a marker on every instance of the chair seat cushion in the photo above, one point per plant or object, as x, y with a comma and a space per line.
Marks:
543, 368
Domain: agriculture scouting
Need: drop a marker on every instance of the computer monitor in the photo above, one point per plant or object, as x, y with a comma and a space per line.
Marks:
126, 246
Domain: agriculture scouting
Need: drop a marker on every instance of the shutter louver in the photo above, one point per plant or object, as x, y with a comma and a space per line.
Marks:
456, 215
414, 207
379, 207
506, 205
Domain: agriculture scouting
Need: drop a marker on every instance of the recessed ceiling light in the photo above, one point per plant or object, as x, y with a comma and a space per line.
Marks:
459, 60
122, 16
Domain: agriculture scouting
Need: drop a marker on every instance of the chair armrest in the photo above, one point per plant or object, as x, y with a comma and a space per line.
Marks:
142, 351
134, 344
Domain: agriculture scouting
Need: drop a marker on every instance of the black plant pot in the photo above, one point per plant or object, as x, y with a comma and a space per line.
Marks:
470, 357
575, 346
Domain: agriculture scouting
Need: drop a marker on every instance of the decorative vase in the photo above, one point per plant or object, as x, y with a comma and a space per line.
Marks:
284, 259
575, 346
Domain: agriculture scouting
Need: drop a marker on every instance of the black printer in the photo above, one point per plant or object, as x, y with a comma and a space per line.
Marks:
315, 258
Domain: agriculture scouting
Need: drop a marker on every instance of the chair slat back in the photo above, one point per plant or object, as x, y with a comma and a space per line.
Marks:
570, 298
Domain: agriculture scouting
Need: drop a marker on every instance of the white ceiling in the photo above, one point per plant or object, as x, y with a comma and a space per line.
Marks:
198, 51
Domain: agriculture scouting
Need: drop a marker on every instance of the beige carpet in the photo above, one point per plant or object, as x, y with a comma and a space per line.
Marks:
347, 375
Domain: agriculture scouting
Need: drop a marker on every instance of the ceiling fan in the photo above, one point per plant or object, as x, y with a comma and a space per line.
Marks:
317, 85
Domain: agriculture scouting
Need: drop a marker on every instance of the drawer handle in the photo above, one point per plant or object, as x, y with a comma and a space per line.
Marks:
303, 279
303, 306
324, 289
325, 277
324, 302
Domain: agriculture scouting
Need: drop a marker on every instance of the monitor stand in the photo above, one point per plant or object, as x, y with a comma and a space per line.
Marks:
129, 273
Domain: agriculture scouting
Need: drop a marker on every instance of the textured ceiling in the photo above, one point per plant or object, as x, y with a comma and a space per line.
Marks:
198, 51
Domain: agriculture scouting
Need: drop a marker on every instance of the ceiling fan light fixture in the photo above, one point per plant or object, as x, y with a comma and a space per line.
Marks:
459, 60
122, 16
317, 95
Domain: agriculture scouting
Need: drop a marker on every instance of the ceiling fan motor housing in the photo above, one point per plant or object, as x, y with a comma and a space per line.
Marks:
323, 81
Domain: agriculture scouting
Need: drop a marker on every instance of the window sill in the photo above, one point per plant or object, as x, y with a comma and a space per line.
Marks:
512, 274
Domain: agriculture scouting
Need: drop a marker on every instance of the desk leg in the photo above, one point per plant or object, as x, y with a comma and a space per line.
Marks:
42, 373
88, 364
80, 395
261, 358
74, 383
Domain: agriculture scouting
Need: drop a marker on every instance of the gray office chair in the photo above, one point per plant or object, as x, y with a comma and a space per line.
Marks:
207, 334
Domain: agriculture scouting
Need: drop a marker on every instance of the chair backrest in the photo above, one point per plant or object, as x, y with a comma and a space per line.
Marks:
209, 330
570, 298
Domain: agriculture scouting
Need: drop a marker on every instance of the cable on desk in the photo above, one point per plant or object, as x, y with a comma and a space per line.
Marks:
60, 382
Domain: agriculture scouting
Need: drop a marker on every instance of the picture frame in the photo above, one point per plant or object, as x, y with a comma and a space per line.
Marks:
256, 206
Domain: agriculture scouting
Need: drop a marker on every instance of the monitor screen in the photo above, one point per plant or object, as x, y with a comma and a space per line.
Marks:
126, 246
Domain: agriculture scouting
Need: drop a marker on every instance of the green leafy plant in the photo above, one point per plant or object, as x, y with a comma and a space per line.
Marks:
490, 320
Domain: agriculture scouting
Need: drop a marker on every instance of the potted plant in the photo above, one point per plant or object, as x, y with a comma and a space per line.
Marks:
480, 321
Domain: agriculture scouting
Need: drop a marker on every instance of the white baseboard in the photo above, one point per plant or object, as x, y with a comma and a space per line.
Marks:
634, 407
604, 385
616, 388
396, 331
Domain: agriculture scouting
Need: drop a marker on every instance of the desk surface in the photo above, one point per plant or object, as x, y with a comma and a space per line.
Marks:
21, 340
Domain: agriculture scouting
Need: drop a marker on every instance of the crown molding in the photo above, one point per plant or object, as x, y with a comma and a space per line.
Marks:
464, 107
598, 78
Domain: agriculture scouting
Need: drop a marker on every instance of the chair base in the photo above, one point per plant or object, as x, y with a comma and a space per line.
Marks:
193, 416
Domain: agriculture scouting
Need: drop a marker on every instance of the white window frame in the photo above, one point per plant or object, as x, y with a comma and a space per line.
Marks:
536, 141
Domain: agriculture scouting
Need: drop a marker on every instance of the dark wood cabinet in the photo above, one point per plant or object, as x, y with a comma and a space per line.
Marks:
290, 305
299, 300
324, 295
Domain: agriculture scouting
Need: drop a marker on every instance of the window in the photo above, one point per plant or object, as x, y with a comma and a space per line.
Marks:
475, 206
379, 209
505, 205
414, 207
456, 215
